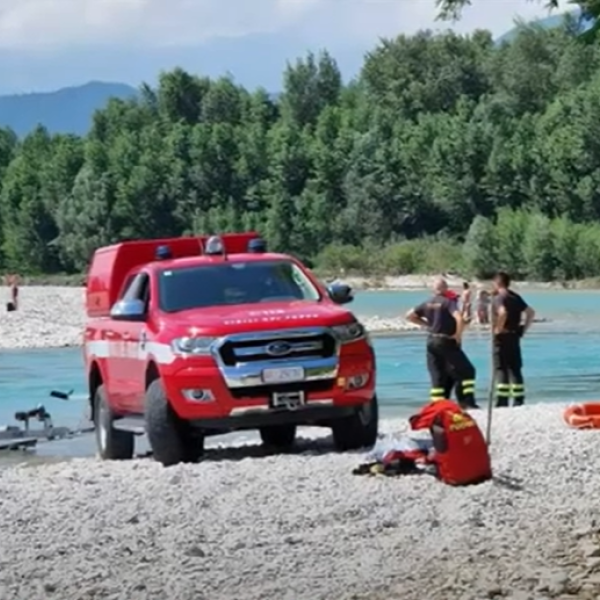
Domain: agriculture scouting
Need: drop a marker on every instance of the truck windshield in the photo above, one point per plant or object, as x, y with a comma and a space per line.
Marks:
233, 283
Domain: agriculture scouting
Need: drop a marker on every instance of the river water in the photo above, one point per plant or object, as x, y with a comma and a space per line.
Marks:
562, 362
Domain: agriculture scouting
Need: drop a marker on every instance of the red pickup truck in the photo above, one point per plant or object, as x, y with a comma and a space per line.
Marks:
191, 337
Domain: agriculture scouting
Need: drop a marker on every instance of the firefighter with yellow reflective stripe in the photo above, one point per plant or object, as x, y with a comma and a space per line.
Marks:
508, 310
446, 361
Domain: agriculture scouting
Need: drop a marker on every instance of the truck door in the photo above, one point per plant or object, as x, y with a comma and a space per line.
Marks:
130, 363
110, 334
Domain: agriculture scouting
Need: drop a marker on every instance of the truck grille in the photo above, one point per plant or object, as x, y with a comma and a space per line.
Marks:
311, 345
323, 385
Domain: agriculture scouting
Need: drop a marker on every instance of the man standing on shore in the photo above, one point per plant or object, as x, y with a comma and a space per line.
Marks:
12, 281
466, 302
483, 307
446, 361
507, 314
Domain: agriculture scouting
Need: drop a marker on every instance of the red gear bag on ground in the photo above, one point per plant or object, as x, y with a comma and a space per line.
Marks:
461, 455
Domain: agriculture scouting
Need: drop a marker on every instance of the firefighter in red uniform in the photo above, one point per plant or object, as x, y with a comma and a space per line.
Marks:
446, 361
460, 454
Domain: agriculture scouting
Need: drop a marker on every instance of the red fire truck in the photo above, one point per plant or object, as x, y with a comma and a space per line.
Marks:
191, 337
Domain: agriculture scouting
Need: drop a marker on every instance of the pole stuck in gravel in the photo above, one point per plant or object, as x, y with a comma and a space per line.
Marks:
488, 432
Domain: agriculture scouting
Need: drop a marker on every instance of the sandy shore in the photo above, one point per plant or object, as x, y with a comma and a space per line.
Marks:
302, 527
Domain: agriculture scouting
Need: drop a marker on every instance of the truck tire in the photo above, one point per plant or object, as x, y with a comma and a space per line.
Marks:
358, 431
278, 437
172, 440
113, 444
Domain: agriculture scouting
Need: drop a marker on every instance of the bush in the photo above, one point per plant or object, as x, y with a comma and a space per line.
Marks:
539, 251
526, 244
480, 250
402, 258
336, 258
510, 231
442, 256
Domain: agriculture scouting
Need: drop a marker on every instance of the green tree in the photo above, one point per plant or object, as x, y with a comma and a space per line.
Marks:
480, 250
511, 230
539, 248
446, 152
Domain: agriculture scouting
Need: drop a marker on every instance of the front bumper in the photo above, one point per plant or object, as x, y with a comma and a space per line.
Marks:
312, 414
239, 395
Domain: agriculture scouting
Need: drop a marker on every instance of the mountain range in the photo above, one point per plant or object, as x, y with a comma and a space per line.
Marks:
69, 109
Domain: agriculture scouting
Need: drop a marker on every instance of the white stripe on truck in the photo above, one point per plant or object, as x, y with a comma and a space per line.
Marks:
161, 353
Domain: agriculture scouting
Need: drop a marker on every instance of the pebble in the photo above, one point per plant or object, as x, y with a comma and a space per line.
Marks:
590, 548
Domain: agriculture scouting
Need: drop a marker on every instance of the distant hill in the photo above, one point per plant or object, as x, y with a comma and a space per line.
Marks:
68, 110
250, 59
547, 23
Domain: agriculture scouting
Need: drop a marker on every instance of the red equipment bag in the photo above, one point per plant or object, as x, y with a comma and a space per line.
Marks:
460, 454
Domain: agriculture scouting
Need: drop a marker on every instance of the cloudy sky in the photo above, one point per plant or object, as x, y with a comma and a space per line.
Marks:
50, 44
42, 24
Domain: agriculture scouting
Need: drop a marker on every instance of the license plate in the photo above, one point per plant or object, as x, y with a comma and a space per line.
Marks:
288, 400
283, 375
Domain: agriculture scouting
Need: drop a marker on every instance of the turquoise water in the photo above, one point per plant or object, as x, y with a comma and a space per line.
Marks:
562, 359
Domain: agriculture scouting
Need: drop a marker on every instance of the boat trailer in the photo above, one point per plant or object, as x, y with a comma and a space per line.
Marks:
23, 436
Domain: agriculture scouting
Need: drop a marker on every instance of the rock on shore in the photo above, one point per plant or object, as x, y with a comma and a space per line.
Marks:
302, 527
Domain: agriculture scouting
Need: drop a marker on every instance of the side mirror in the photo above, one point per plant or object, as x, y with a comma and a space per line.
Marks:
340, 293
128, 310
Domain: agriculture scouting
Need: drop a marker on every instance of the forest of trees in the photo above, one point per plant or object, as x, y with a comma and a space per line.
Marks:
446, 153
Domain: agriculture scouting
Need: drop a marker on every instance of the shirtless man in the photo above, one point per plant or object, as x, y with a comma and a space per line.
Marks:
12, 281
465, 303
483, 307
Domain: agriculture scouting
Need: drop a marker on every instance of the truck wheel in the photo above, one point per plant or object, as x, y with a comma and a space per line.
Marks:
172, 440
113, 444
278, 437
358, 431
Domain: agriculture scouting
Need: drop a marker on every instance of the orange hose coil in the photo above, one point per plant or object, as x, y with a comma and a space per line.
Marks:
583, 416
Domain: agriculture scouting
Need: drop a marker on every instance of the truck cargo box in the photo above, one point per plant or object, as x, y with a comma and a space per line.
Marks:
111, 264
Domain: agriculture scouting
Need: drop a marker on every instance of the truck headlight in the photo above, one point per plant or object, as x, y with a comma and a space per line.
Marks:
196, 346
349, 333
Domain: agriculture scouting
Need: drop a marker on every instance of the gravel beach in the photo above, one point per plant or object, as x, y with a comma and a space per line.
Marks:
51, 317
54, 317
48, 317
241, 526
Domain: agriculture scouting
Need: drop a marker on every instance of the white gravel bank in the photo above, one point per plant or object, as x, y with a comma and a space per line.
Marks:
50, 317
302, 527
54, 317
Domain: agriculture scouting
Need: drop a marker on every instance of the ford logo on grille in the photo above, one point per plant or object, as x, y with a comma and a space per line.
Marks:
279, 349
